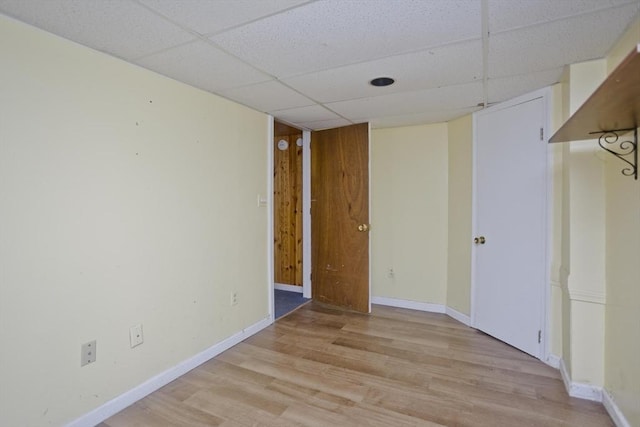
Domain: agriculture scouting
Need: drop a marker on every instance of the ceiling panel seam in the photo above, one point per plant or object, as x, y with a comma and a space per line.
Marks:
567, 17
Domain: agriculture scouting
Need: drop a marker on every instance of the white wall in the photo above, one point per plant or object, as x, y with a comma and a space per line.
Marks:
126, 198
409, 213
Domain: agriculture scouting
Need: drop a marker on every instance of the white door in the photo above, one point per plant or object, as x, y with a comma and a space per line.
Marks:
510, 203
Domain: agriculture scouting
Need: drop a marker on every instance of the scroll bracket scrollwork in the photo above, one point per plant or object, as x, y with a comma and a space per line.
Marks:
623, 148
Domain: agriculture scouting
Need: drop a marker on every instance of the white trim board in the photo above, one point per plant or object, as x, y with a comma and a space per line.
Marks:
288, 288
460, 317
270, 218
306, 214
614, 411
413, 305
423, 306
553, 361
595, 393
130, 397
579, 390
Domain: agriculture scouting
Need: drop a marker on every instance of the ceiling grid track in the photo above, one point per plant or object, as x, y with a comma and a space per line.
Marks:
485, 52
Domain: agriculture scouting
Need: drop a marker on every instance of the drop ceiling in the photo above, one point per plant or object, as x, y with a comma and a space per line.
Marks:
308, 63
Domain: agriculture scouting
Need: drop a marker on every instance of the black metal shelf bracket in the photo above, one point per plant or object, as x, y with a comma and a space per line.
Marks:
624, 149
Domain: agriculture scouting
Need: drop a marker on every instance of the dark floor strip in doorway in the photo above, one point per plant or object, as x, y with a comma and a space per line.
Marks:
286, 302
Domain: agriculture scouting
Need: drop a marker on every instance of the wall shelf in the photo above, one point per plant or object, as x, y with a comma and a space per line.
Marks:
611, 114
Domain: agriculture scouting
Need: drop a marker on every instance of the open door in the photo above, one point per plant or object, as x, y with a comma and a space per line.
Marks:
340, 216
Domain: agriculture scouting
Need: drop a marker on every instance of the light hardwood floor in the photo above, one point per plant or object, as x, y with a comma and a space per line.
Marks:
325, 367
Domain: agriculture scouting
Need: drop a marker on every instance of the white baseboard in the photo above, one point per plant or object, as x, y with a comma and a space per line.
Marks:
413, 305
455, 314
128, 398
579, 390
553, 361
290, 288
614, 411
423, 306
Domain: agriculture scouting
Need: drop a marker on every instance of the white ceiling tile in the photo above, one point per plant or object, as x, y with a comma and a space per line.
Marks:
505, 88
329, 50
326, 34
557, 43
453, 64
325, 124
421, 118
120, 28
208, 17
267, 97
209, 68
313, 113
449, 97
508, 14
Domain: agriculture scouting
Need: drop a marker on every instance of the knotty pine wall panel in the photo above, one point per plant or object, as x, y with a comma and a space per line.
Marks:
287, 187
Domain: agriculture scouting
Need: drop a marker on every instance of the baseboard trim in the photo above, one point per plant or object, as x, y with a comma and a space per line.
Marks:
553, 361
614, 411
423, 306
579, 390
289, 288
455, 314
413, 305
128, 398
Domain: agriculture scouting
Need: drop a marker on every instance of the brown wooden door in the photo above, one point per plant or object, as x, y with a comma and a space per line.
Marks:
339, 205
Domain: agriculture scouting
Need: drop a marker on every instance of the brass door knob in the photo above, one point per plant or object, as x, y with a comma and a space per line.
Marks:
363, 227
479, 240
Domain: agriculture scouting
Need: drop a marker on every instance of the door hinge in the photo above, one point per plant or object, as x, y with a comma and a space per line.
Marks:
539, 336
310, 276
541, 134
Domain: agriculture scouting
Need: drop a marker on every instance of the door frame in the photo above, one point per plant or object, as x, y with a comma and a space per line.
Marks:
270, 219
545, 311
306, 215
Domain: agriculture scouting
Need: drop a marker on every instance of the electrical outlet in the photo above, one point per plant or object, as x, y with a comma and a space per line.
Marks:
390, 273
234, 298
88, 353
135, 335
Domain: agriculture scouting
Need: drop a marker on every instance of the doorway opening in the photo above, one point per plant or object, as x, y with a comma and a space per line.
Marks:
288, 241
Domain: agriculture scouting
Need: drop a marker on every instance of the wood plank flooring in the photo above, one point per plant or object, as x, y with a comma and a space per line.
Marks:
321, 366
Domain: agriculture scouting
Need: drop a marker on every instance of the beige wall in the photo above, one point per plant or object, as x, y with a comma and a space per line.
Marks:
559, 257
622, 350
409, 213
126, 198
622, 332
600, 229
460, 173
584, 294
